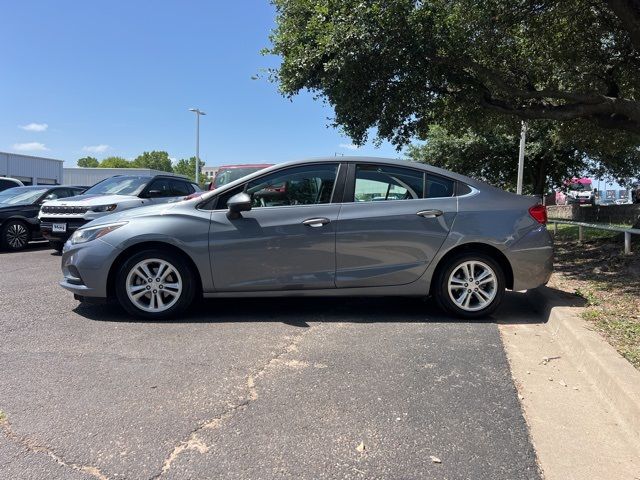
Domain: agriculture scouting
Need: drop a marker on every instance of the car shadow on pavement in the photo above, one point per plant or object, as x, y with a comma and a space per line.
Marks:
298, 311
539, 300
34, 246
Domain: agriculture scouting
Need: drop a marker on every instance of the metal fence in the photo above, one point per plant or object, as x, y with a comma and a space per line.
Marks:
582, 225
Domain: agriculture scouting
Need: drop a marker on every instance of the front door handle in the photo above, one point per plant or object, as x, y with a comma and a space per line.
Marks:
316, 222
429, 213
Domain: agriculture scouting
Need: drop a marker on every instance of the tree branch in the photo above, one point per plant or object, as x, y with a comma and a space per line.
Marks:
603, 114
628, 12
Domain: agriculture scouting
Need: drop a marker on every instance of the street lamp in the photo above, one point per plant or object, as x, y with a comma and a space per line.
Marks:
198, 112
523, 136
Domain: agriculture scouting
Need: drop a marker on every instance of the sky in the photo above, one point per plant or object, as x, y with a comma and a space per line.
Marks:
117, 78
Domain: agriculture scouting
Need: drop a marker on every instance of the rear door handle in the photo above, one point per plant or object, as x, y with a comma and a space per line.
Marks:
316, 222
429, 213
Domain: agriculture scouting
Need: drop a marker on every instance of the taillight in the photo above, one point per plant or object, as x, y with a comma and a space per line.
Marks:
539, 213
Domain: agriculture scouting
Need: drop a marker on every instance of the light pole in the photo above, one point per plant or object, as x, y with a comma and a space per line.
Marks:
198, 112
523, 136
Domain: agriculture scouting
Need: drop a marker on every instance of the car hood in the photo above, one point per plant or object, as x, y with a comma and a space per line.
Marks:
12, 208
126, 215
92, 200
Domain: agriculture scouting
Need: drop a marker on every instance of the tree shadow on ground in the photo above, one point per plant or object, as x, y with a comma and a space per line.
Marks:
600, 260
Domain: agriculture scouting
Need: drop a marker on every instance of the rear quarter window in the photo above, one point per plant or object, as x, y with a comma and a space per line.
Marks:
439, 187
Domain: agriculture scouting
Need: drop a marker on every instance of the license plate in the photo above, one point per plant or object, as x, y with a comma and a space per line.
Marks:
59, 227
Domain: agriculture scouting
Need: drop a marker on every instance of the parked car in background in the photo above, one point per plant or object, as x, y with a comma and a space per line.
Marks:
230, 173
7, 182
19, 208
298, 229
635, 193
580, 191
59, 219
560, 198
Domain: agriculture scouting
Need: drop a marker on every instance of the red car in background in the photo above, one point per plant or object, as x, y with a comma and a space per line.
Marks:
229, 173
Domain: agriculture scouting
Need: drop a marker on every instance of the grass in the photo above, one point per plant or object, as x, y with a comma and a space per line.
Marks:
609, 281
571, 232
3, 417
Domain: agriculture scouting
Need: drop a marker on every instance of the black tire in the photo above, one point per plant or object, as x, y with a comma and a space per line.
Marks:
186, 276
57, 246
441, 287
15, 235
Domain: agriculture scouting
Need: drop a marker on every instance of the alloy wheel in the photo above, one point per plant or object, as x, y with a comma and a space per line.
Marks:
472, 285
154, 285
16, 235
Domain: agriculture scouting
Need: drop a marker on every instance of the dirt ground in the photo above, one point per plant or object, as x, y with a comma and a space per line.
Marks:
608, 280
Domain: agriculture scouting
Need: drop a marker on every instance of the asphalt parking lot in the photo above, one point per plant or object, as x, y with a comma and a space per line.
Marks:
262, 388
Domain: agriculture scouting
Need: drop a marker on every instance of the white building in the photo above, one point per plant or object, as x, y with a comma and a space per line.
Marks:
209, 172
86, 176
31, 170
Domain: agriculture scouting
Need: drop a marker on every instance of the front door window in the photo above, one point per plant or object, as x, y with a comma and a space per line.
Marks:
306, 185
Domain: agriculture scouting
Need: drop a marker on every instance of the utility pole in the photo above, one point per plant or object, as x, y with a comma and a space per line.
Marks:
523, 139
198, 112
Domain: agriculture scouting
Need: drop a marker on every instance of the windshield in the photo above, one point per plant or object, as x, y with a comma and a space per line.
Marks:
579, 186
21, 195
228, 175
119, 186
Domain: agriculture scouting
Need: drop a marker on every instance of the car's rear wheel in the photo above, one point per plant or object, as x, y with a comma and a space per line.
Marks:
154, 284
15, 235
470, 285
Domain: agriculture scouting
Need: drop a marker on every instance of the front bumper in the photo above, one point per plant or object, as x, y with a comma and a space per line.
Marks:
71, 225
85, 268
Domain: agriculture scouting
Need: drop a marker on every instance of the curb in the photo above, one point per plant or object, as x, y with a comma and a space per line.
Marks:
611, 375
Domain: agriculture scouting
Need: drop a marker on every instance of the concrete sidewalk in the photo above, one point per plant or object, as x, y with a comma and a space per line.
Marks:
575, 410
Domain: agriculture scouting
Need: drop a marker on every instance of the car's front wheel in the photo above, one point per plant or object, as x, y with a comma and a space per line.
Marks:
155, 284
15, 235
470, 285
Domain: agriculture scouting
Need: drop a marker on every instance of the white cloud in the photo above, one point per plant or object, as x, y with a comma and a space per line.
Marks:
30, 147
96, 148
349, 146
35, 127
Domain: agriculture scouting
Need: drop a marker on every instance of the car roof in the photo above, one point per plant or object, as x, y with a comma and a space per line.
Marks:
246, 165
375, 160
159, 175
356, 159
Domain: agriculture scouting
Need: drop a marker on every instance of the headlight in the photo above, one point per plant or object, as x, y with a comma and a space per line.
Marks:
104, 208
85, 235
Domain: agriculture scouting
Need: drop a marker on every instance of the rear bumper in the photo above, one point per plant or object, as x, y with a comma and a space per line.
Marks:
531, 259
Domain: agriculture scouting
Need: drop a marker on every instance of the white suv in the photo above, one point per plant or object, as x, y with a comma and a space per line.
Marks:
60, 218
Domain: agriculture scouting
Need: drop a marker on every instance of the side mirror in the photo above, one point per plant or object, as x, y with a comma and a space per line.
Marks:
240, 202
154, 193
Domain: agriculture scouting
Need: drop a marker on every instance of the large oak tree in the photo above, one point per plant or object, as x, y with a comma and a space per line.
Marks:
400, 66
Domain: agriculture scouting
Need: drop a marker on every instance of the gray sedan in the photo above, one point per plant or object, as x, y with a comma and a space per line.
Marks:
321, 227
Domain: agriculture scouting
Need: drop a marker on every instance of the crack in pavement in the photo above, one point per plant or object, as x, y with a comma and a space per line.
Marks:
194, 442
33, 446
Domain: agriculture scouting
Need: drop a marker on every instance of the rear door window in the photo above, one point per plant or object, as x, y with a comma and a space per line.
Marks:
375, 183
